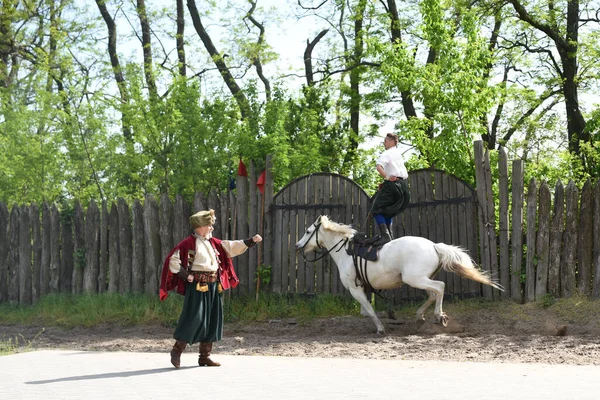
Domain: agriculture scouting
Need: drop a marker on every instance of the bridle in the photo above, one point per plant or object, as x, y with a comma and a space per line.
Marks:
316, 234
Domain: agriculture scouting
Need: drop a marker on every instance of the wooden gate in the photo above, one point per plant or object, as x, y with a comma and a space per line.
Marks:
296, 207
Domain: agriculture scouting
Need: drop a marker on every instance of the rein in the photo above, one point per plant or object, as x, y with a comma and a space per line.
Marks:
316, 232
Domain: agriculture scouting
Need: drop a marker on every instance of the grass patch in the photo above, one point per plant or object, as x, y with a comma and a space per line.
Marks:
18, 343
68, 311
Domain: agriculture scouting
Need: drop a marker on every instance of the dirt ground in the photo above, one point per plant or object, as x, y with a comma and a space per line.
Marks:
522, 334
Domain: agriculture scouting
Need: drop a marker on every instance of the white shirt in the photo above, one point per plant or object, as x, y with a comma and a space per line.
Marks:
205, 258
393, 163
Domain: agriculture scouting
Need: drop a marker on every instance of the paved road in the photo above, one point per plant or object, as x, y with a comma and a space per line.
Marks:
54, 374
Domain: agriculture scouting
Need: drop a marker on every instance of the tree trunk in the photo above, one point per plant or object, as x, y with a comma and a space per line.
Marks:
308, 67
147, 49
355, 77
116, 66
219, 61
406, 96
179, 38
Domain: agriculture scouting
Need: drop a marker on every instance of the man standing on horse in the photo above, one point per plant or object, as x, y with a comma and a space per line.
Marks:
393, 195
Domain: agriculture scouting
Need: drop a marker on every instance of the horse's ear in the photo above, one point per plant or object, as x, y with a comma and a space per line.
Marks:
319, 219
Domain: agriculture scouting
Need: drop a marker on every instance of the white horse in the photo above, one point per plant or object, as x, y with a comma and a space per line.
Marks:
410, 259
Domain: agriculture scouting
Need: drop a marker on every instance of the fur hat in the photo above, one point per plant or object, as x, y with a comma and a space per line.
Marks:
202, 218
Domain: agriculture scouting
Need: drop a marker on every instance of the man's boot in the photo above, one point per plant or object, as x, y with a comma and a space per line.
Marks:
178, 348
385, 235
204, 358
389, 228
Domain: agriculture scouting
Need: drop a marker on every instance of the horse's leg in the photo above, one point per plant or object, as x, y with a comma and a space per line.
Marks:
421, 311
361, 297
437, 287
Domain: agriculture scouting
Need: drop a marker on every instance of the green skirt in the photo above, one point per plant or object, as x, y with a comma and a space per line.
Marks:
201, 318
391, 199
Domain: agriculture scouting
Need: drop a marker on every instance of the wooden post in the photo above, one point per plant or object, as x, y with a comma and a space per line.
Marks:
92, 239
557, 228
570, 242
585, 241
517, 230
543, 242
531, 230
503, 223
24, 256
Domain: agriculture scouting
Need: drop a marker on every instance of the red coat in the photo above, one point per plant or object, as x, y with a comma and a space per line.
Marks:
170, 281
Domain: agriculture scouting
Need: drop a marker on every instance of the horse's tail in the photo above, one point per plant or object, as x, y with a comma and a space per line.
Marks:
455, 259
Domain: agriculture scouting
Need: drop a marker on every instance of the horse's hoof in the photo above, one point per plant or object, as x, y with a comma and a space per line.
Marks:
443, 320
420, 322
381, 333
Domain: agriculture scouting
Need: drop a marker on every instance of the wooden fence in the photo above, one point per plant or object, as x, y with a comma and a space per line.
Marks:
535, 240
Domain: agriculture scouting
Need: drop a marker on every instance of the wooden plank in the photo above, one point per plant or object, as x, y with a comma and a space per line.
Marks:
484, 217
293, 233
79, 249
113, 249
311, 215
46, 233
454, 228
503, 226
438, 213
4, 226
462, 229
531, 233
25, 278
491, 225
36, 240
345, 196
103, 258
152, 246
422, 211
596, 229
13, 256
543, 242
138, 259
253, 217
557, 228
326, 265
302, 226
336, 215
92, 240
55, 259
585, 241
165, 230
570, 242
285, 242
517, 230
278, 235
241, 261
448, 227
319, 196
472, 237
125, 243
268, 220
67, 252
214, 204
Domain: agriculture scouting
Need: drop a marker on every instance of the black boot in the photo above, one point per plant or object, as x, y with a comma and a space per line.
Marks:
389, 228
385, 237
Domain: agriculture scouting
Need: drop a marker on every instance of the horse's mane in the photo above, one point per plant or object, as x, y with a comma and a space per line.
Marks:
332, 226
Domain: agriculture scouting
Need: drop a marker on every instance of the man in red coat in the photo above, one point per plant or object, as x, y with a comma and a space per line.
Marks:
200, 268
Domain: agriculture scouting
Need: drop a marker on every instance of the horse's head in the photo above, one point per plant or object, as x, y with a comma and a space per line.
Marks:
310, 240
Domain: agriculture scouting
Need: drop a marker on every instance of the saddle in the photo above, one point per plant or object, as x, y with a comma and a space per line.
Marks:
362, 249
363, 246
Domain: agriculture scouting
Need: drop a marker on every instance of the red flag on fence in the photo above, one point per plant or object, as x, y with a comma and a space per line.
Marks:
242, 169
260, 183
